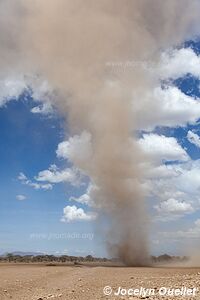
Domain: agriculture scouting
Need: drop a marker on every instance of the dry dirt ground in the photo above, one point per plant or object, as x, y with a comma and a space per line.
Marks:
34, 282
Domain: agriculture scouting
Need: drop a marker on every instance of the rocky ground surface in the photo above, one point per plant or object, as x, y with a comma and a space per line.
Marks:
40, 282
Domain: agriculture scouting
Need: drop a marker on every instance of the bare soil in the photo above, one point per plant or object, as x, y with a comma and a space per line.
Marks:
34, 282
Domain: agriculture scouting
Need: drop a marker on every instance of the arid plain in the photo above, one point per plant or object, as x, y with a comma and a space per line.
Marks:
37, 282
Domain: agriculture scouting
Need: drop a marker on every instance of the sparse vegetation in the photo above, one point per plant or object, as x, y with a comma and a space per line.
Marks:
52, 259
12, 258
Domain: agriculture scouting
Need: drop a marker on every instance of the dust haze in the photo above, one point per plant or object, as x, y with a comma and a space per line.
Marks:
76, 45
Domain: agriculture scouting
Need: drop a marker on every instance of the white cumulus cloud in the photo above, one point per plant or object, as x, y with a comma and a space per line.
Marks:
178, 194
177, 63
162, 148
166, 107
73, 213
77, 149
54, 175
88, 197
174, 206
11, 88
37, 186
41, 92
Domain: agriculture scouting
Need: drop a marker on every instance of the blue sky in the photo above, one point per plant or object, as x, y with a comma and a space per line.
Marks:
31, 204
28, 145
